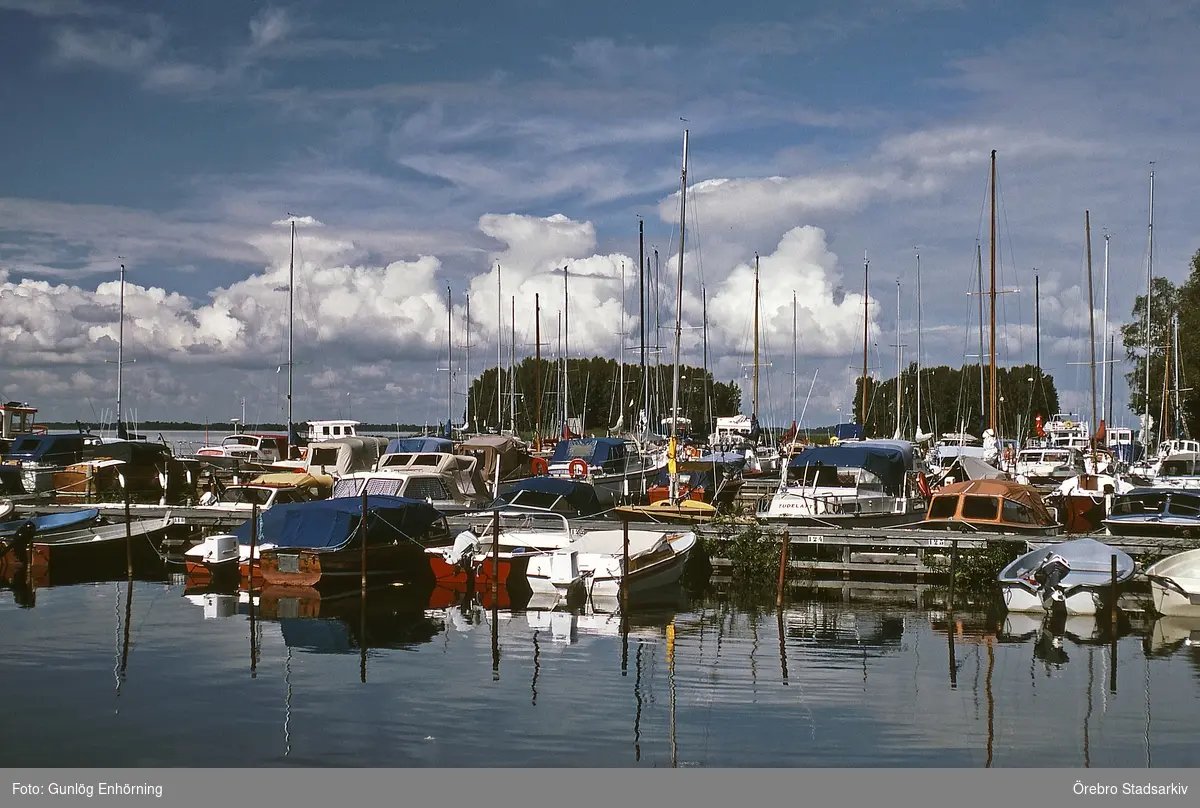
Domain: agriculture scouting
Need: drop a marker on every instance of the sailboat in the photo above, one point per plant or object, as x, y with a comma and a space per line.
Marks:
676, 508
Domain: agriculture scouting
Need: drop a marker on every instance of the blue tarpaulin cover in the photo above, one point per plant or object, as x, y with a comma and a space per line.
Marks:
331, 523
885, 462
420, 444
595, 451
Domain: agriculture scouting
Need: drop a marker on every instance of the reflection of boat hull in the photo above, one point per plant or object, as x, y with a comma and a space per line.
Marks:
405, 561
1080, 602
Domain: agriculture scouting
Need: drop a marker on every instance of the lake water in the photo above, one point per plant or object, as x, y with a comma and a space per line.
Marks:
105, 675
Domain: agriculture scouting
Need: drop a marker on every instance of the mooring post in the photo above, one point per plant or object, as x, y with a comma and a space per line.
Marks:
1113, 607
362, 532
783, 562
953, 565
250, 587
495, 555
128, 537
624, 564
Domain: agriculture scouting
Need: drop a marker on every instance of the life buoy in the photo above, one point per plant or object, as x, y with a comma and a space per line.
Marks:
923, 485
1068, 425
539, 466
578, 468
690, 452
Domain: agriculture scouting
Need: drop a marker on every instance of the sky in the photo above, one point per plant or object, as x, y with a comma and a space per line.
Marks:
422, 146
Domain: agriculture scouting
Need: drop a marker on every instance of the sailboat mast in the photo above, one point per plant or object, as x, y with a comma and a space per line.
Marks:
1105, 357
917, 423
979, 280
512, 369
449, 361
1087, 226
467, 367
642, 317
121, 348
499, 355
679, 300
755, 411
621, 357
674, 478
566, 352
1149, 296
992, 345
291, 315
707, 387
899, 367
795, 377
863, 405
537, 362
1175, 349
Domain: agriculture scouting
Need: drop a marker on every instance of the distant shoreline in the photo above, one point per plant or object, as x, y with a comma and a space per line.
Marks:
189, 426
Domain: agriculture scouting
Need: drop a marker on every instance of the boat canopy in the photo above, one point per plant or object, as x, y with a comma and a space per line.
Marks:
885, 462
579, 495
966, 467
421, 443
989, 489
344, 455
331, 523
504, 451
132, 452
595, 451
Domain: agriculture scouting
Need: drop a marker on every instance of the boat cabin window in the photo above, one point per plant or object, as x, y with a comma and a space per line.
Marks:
324, 430
347, 487
1133, 506
426, 488
323, 456
337, 430
285, 496
819, 475
384, 486
241, 440
943, 507
1016, 513
1184, 505
532, 499
979, 507
246, 496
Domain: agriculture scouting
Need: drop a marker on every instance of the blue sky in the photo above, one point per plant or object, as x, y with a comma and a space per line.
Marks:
430, 141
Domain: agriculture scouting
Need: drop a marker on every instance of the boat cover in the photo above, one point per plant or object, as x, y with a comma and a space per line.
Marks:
579, 495
885, 462
331, 523
595, 451
421, 443
53, 521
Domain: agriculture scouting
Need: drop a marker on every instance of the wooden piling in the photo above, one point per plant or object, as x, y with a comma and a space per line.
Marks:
953, 566
495, 556
1113, 593
250, 588
624, 565
362, 532
128, 538
783, 561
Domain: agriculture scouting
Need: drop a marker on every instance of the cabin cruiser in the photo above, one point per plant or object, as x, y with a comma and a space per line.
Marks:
1156, 512
992, 506
617, 467
1048, 466
249, 446
864, 483
1179, 470
1146, 470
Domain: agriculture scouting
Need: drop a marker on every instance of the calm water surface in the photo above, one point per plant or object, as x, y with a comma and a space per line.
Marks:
834, 682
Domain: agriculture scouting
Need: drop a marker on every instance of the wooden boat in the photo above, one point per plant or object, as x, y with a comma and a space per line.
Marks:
685, 511
319, 543
1175, 584
147, 472
591, 565
992, 506
1071, 576
1083, 500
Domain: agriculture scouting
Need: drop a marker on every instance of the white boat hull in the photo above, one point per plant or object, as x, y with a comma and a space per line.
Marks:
567, 573
1082, 601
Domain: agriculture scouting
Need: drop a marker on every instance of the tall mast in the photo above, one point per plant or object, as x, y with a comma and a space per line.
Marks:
863, 405
704, 327
1149, 295
917, 423
1087, 226
467, 367
979, 278
1112, 346
291, 314
560, 376
621, 357
449, 361
795, 377
512, 369
674, 478
899, 367
499, 355
642, 317
121, 349
537, 339
1175, 348
566, 351
1037, 324
992, 346
755, 411
1105, 357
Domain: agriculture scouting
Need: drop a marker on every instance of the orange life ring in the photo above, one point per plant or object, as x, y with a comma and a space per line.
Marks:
578, 468
539, 466
690, 452
923, 485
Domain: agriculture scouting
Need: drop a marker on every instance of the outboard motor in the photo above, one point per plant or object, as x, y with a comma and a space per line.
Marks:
1048, 577
462, 554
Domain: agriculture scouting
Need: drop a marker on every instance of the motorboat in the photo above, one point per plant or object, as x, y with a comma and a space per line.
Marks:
990, 506
1074, 577
1155, 512
1175, 584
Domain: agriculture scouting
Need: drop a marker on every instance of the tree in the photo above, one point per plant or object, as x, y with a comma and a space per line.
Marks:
1188, 305
1133, 336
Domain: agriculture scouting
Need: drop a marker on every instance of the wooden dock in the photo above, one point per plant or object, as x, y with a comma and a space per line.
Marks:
179, 515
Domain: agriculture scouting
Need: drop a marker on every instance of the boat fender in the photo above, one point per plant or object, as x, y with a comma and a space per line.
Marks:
578, 468
539, 466
923, 485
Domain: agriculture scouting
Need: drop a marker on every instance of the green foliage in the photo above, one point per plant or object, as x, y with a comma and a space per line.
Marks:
950, 400
593, 394
1133, 336
975, 571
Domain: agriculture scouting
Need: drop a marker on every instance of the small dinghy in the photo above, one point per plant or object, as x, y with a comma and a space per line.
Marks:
1071, 576
1175, 584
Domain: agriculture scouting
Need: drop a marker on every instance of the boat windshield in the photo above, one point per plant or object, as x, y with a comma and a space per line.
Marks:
943, 507
240, 440
239, 495
980, 507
